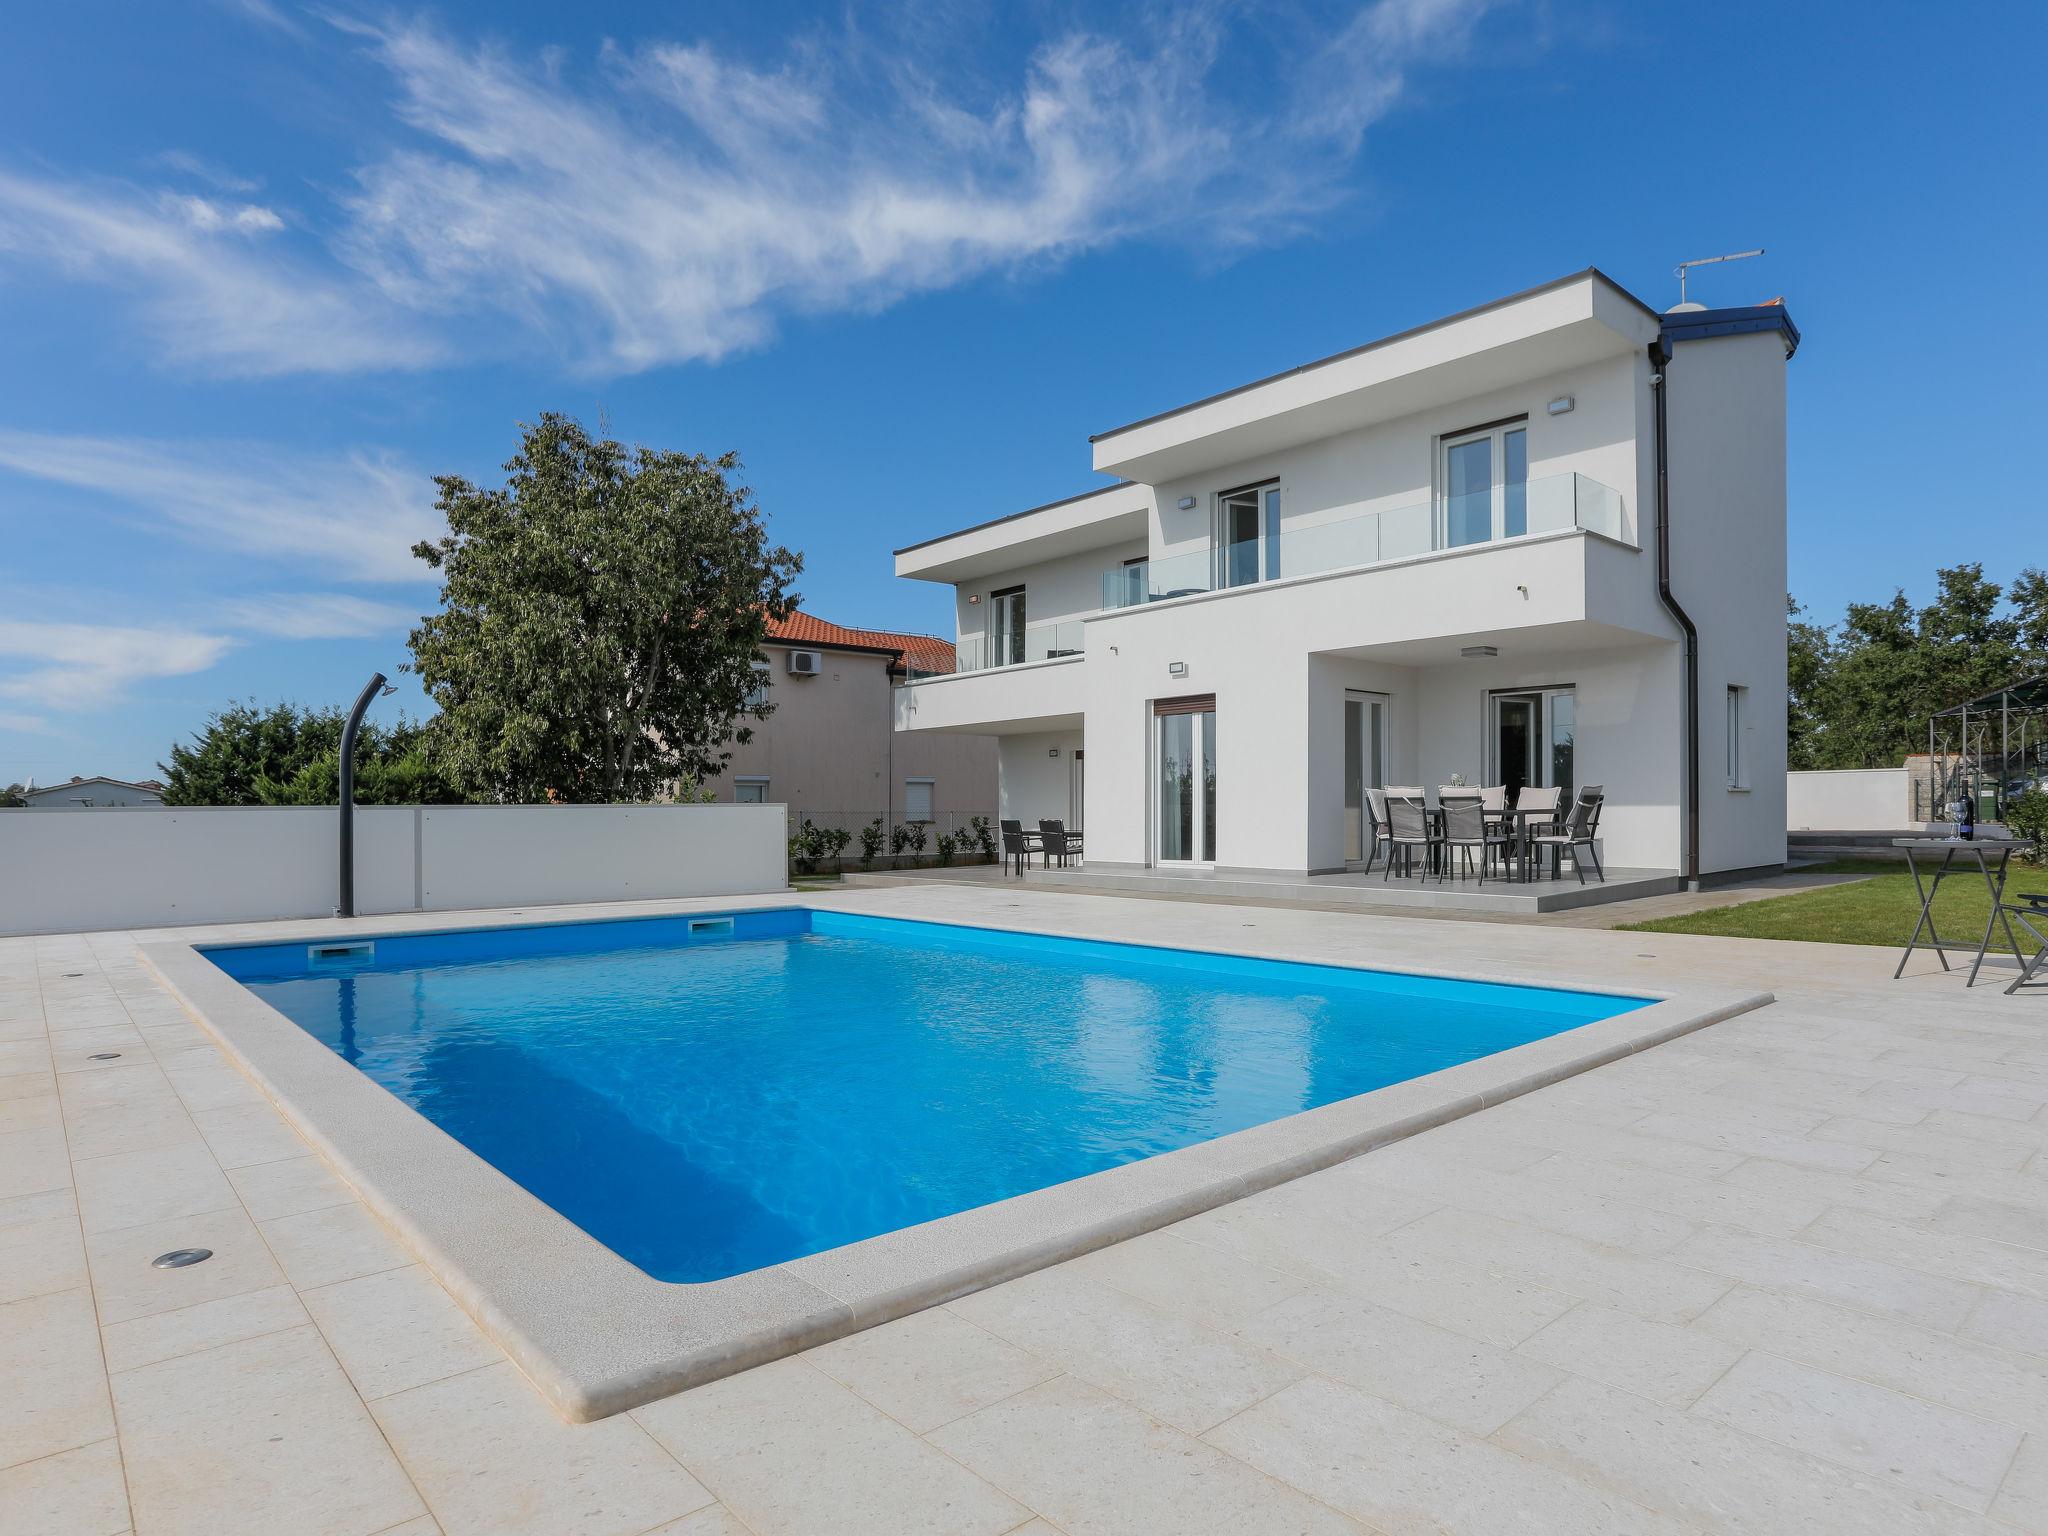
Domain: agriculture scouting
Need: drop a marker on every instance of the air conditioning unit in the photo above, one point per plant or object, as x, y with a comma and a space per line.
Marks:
806, 663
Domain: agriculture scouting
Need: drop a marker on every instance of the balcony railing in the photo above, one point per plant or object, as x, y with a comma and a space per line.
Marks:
1035, 642
1549, 504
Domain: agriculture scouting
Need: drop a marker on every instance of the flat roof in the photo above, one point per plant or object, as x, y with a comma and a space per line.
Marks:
1011, 517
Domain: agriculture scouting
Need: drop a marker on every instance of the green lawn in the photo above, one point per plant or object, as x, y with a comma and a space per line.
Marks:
1877, 910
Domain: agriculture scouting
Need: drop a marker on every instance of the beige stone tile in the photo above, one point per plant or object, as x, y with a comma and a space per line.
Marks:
2023, 1498
129, 1287
1650, 1287
25, 1058
494, 1460
1408, 1475
260, 1436
1314, 1227
1710, 1476
164, 1335
1100, 1467
74, 1050
397, 1330
33, 1161
1922, 1141
1189, 1376
930, 1368
337, 1242
248, 1133
1874, 1190
101, 1130
1450, 1377
26, 1085
73, 1493
1979, 1100
1978, 1260
1629, 1147
55, 1393
1655, 1360
714, 1521
127, 1189
787, 1449
36, 1112
1798, 1150
289, 1187
1881, 1433
2024, 1226
43, 1205
1216, 1289
2002, 1384
38, 1257
1696, 1200
1480, 1301
211, 1084
1805, 1269
1557, 1206
2009, 1322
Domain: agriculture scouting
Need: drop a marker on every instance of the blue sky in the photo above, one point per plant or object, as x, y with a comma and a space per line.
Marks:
265, 268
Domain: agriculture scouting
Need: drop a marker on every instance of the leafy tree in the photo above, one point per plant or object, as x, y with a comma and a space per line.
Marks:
1810, 650
281, 754
11, 798
601, 616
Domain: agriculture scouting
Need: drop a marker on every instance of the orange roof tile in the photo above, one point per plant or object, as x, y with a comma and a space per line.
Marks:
928, 652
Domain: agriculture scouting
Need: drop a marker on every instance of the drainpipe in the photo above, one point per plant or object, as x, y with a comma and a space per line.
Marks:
1660, 364
346, 907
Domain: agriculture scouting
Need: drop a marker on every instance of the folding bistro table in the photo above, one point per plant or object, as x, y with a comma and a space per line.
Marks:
1982, 851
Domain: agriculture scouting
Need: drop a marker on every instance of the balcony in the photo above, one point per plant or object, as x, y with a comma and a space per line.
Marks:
1035, 642
1549, 504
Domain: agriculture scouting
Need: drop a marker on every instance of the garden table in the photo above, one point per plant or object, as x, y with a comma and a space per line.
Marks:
1981, 851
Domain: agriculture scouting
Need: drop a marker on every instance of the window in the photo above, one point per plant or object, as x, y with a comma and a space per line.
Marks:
757, 695
1248, 535
1738, 714
750, 791
1533, 739
1486, 483
1005, 627
917, 799
1185, 747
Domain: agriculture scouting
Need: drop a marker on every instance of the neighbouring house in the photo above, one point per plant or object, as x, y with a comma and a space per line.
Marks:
1476, 548
94, 792
828, 750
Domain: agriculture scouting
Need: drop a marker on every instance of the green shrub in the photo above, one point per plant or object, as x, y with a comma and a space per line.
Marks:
870, 843
2027, 816
949, 844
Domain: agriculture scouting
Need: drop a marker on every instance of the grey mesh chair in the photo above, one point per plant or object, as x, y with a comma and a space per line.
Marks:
1376, 815
1543, 799
1578, 831
1466, 828
1407, 830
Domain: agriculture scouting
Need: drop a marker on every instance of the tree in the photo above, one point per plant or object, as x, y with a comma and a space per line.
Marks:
1808, 658
281, 754
601, 615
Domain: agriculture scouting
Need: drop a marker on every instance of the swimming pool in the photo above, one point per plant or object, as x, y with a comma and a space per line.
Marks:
714, 1093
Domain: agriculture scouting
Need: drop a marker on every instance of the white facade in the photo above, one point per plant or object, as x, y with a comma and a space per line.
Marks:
1432, 556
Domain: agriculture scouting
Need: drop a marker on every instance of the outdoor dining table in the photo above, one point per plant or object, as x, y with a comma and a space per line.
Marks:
1981, 851
1525, 816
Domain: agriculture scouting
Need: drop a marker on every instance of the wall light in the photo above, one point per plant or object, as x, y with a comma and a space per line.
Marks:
1474, 652
973, 597
1187, 503
1052, 751
1560, 405
1176, 669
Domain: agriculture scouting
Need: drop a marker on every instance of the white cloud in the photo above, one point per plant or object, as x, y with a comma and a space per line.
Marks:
354, 518
186, 163
316, 616
86, 666
672, 203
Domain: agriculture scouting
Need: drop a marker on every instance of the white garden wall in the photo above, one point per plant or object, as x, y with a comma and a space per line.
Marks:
1849, 800
114, 867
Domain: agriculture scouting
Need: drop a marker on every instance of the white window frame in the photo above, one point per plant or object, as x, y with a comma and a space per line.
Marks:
1496, 434
1272, 514
746, 781
931, 800
757, 696
1738, 730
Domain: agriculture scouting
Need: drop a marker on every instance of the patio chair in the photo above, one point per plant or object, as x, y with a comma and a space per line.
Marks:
1016, 848
1466, 828
1578, 831
2029, 910
1376, 813
1055, 842
1408, 829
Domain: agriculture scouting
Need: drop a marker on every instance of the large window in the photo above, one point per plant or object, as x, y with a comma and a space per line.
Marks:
1486, 483
917, 799
1248, 535
1184, 732
1738, 712
1005, 627
1533, 739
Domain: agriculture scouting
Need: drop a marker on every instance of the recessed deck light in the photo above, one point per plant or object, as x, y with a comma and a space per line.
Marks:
181, 1258
104, 1056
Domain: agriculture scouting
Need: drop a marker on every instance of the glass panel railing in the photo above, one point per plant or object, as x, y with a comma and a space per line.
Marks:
1548, 504
1035, 642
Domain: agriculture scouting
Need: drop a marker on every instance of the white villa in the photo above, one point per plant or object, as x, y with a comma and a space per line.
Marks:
1538, 542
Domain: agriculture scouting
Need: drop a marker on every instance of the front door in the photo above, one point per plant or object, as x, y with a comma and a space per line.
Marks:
1184, 737
1365, 767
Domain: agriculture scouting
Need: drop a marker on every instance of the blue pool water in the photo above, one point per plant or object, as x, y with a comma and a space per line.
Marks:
708, 1095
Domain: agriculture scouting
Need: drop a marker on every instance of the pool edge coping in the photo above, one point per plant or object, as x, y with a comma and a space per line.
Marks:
596, 1335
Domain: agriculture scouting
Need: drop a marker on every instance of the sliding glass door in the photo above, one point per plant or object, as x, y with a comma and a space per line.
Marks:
1005, 627
1531, 739
1486, 484
1184, 732
1248, 535
1365, 767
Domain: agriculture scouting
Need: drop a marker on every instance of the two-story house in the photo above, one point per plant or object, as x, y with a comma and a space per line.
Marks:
1538, 542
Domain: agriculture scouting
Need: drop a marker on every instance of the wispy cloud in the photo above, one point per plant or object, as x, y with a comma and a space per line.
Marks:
672, 202
316, 616
72, 667
349, 518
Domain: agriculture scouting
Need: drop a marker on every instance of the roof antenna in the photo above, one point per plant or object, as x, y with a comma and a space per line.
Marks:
1705, 261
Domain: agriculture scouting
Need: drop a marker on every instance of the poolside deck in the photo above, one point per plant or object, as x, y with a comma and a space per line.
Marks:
1789, 1273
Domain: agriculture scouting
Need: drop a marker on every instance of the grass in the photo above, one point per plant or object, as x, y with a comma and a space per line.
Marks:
1879, 909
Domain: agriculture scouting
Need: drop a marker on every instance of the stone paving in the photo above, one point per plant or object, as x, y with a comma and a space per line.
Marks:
1787, 1274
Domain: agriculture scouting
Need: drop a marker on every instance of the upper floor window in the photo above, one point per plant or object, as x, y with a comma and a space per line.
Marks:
757, 692
1248, 534
1486, 483
1006, 627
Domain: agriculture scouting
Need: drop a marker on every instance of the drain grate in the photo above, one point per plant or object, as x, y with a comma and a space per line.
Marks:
181, 1258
